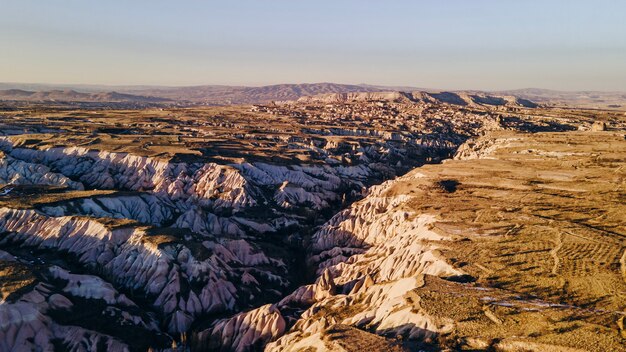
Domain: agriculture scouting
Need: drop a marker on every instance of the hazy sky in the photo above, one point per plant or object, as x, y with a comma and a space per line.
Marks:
452, 44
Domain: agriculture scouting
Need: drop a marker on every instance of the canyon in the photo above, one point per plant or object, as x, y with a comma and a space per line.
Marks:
341, 221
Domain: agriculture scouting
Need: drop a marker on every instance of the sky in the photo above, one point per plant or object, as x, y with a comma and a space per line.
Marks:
451, 44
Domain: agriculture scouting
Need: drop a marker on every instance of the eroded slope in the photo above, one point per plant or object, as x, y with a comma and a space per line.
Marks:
518, 246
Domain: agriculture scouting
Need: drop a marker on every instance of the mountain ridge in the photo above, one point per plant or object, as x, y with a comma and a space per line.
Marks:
226, 95
454, 98
71, 95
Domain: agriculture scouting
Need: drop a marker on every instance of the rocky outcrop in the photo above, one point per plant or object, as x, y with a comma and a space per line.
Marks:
32, 322
144, 208
243, 332
209, 184
598, 126
482, 148
307, 295
369, 256
356, 96
376, 252
217, 187
19, 172
454, 98
178, 283
23, 327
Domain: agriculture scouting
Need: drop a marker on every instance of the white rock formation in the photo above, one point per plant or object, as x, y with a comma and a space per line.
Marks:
243, 332
369, 258
192, 253
145, 208
25, 324
19, 172
136, 261
24, 328
214, 184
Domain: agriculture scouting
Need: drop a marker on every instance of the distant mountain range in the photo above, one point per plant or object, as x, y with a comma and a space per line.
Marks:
220, 95
210, 94
74, 96
251, 95
586, 99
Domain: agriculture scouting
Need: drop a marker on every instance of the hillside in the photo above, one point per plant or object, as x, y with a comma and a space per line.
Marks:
250, 95
74, 96
462, 99
476, 254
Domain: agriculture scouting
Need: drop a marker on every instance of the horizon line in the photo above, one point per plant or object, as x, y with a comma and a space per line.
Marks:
413, 88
